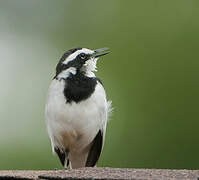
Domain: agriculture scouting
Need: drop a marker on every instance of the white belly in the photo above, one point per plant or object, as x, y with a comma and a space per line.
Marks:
74, 125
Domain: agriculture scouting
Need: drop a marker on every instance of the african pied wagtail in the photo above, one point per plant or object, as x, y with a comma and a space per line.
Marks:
77, 109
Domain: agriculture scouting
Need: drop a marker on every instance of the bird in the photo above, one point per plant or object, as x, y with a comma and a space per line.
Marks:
77, 109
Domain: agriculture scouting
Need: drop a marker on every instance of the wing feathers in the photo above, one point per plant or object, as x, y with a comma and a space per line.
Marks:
95, 150
62, 155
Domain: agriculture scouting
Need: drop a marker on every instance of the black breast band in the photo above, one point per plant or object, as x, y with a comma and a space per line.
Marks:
79, 87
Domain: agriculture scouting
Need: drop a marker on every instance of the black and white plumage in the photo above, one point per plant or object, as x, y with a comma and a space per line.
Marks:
77, 109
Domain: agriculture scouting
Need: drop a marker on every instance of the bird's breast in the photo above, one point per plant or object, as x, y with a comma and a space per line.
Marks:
74, 121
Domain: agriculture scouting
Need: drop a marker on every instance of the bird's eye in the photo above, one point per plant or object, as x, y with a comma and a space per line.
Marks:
82, 56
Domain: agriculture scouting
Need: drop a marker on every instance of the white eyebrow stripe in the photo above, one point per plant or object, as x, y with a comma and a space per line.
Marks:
76, 53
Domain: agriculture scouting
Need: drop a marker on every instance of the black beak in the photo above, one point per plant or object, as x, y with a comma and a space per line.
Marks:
100, 52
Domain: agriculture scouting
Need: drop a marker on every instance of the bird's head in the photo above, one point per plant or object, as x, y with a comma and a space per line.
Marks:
79, 60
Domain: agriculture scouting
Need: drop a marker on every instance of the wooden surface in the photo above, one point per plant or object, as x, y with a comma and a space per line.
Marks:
103, 173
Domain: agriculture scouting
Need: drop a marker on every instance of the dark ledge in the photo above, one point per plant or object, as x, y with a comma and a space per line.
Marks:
103, 174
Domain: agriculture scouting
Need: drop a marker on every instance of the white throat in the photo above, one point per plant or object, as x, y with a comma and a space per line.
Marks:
90, 67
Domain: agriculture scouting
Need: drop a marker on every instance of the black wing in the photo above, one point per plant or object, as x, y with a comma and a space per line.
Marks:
95, 150
99, 80
62, 155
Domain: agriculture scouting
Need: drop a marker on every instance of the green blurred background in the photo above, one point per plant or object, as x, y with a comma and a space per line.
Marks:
151, 76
